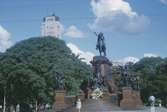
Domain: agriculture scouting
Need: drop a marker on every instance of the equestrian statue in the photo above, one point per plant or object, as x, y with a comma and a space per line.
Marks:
101, 44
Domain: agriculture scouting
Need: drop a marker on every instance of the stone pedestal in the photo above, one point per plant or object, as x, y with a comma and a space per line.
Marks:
59, 104
131, 99
127, 102
102, 65
137, 98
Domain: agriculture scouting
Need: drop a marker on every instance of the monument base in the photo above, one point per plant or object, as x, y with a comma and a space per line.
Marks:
138, 101
102, 65
59, 104
131, 99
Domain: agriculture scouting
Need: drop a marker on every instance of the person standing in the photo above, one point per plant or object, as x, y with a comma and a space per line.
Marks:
78, 105
17, 108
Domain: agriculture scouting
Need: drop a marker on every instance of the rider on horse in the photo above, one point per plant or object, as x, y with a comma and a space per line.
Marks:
101, 44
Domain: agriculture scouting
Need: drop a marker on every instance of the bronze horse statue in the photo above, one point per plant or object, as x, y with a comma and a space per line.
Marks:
101, 43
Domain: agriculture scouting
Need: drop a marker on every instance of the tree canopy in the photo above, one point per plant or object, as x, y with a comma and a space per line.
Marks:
153, 77
153, 72
28, 70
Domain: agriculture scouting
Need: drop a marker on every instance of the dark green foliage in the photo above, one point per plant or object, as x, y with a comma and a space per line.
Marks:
147, 66
153, 72
153, 78
28, 69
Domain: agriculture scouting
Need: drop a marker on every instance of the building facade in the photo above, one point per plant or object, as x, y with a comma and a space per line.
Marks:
51, 26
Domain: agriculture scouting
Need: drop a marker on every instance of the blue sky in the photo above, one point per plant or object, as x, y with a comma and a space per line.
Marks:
131, 27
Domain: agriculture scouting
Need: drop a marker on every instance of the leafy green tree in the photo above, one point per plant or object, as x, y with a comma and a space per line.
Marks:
161, 81
28, 70
154, 78
147, 67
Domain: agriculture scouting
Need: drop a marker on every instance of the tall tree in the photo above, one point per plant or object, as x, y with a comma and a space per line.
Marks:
29, 69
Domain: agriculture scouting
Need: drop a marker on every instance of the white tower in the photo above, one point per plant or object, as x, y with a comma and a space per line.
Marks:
51, 26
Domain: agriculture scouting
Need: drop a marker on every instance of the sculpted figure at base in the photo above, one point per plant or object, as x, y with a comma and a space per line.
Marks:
60, 78
130, 79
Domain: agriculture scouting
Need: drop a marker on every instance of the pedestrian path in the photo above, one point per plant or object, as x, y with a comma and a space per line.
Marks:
98, 106
105, 106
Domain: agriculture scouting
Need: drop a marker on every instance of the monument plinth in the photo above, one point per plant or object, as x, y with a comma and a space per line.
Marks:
131, 99
103, 73
127, 102
137, 97
59, 99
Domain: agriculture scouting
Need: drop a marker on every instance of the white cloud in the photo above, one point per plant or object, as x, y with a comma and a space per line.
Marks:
164, 1
74, 32
125, 60
86, 55
134, 60
5, 40
117, 16
150, 55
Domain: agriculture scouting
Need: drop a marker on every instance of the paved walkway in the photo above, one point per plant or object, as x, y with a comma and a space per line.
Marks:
98, 106
105, 106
